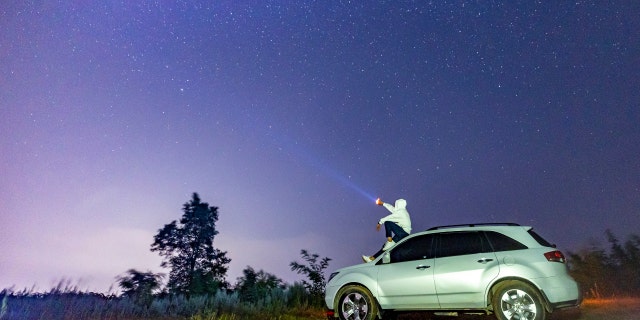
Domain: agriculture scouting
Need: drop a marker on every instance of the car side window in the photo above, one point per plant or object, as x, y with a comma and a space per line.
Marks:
415, 248
501, 242
461, 243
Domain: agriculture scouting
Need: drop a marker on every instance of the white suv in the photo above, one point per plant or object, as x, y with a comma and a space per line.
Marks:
505, 269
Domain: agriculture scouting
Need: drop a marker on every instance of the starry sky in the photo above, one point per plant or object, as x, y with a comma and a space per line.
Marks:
293, 116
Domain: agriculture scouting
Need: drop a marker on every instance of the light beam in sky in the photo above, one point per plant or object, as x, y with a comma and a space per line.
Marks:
316, 161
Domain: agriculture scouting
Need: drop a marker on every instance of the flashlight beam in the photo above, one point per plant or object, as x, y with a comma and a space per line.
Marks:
314, 161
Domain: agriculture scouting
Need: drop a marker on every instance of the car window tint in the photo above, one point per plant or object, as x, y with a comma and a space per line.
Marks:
415, 248
459, 243
501, 242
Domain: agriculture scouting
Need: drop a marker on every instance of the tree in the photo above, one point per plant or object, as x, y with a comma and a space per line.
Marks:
139, 286
187, 248
253, 286
314, 270
625, 261
607, 273
589, 268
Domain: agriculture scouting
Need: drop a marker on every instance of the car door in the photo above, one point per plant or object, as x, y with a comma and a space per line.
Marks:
464, 266
405, 278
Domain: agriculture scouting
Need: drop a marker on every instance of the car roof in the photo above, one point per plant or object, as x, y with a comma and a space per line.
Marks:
514, 230
475, 225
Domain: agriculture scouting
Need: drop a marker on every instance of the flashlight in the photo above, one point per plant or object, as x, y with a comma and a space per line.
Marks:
378, 201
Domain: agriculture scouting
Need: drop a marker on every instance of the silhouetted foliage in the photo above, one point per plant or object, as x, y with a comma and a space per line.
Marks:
299, 296
625, 260
253, 286
67, 302
314, 270
139, 286
611, 273
589, 268
187, 248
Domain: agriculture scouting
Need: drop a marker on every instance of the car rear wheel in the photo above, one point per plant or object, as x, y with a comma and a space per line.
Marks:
356, 303
517, 300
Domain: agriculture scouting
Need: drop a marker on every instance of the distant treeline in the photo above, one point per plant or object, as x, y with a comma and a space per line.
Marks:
256, 295
196, 285
610, 272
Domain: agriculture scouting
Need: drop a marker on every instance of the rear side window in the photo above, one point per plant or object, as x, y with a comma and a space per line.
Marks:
540, 239
500, 242
416, 248
460, 243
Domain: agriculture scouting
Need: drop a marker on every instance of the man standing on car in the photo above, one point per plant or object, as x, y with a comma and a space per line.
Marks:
397, 225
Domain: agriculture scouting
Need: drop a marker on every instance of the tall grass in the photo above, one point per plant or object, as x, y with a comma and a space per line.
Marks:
64, 302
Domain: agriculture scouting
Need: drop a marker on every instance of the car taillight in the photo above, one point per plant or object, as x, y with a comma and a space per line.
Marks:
555, 256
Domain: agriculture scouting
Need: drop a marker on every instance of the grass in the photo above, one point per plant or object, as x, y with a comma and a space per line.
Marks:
70, 304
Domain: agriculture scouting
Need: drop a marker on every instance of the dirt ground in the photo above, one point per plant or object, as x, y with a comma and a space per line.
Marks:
609, 309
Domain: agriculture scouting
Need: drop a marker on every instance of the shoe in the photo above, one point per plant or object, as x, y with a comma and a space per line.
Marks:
366, 258
388, 245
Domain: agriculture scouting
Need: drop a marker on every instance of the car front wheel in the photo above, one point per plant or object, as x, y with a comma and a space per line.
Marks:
517, 300
356, 303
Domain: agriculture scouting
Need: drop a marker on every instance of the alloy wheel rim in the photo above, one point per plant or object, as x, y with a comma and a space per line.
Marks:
518, 305
354, 306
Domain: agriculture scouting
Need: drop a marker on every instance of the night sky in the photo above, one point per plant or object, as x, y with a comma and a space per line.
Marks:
293, 116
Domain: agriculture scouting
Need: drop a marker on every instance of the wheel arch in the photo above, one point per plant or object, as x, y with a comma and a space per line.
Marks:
336, 299
490, 292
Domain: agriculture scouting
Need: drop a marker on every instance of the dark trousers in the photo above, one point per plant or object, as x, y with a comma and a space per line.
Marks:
397, 231
394, 231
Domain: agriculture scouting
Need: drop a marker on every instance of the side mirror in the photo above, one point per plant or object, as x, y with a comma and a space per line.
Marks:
386, 258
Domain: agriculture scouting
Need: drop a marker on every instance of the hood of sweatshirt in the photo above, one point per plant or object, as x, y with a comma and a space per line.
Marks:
401, 204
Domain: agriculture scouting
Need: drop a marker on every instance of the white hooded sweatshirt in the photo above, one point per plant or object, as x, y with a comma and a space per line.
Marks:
399, 215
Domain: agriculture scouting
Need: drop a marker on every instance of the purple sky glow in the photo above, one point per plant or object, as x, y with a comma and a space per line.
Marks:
291, 116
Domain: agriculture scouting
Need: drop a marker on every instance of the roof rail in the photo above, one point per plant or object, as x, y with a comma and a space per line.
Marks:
475, 225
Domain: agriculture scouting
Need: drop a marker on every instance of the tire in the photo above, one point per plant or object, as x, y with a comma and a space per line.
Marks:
356, 303
515, 300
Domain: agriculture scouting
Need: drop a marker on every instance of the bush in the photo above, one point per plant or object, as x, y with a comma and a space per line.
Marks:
608, 273
69, 303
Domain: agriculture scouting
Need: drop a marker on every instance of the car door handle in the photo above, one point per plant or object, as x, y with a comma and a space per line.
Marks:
422, 267
485, 260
